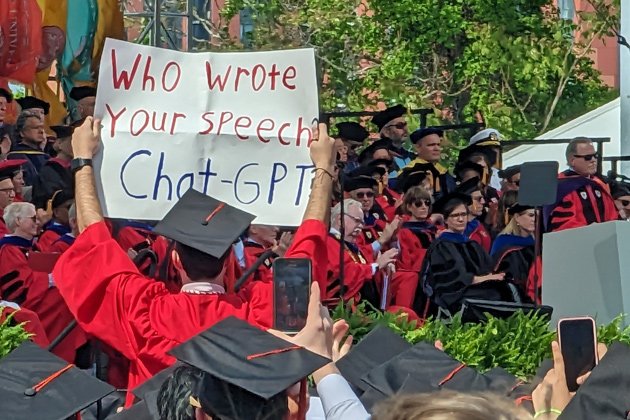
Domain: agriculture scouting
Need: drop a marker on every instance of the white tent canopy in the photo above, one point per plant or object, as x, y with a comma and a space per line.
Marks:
601, 122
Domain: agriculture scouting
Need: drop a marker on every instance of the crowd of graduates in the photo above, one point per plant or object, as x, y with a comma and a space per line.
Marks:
157, 308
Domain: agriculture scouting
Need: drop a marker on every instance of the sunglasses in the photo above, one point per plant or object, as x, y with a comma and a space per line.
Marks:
400, 125
588, 158
625, 203
419, 203
364, 195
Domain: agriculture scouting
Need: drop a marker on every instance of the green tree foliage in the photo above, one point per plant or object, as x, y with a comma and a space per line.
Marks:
514, 61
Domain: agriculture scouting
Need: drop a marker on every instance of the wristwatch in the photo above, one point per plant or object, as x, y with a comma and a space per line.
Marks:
79, 163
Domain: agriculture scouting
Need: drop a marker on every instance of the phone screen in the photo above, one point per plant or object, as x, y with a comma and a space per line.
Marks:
292, 285
578, 344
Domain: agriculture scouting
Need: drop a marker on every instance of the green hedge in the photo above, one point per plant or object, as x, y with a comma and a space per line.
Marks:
11, 336
518, 344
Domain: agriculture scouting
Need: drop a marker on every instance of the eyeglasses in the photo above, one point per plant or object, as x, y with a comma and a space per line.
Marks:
461, 215
419, 203
33, 218
400, 125
357, 220
7, 190
361, 195
625, 203
589, 157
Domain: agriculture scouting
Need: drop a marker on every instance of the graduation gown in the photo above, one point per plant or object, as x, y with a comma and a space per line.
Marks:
450, 265
32, 290
61, 244
414, 238
139, 317
52, 232
580, 201
53, 176
476, 231
359, 276
35, 161
387, 202
514, 256
252, 252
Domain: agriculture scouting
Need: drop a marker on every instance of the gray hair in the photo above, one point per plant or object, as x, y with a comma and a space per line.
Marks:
16, 211
24, 116
573, 145
72, 211
347, 204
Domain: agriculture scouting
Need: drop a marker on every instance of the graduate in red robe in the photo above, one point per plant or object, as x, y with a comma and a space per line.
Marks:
8, 168
30, 289
59, 225
414, 238
140, 317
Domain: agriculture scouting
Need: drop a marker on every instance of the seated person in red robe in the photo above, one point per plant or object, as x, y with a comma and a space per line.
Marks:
7, 189
59, 225
31, 289
359, 267
475, 229
261, 238
583, 198
513, 249
414, 238
138, 316
456, 267
66, 240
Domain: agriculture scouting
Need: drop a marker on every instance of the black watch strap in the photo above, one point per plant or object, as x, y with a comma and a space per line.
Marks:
79, 163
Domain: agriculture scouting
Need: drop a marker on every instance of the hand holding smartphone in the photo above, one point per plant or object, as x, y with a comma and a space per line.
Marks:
578, 343
291, 292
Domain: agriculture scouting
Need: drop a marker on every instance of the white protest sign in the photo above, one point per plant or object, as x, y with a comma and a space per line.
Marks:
235, 126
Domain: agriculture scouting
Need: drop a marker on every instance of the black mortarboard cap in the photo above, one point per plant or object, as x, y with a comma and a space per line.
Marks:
62, 131
468, 165
445, 200
60, 197
432, 369
243, 356
6, 94
369, 171
352, 131
619, 189
518, 208
352, 184
138, 411
419, 134
379, 346
30, 102
367, 153
469, 187
80, 92
412, 176
148, 391
382, 118
604, 395
510, 171
204, 223
9, 168
386, 162
36, 384
488, 151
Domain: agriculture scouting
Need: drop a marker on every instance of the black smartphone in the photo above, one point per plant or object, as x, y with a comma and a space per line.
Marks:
291, 291
578, 342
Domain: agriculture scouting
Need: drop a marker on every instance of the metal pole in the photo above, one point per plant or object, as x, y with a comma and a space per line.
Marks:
157, 23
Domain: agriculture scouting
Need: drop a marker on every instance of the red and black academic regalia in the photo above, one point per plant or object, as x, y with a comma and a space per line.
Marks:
580, 201
252, 251
414, 238
359, 276
61, 245
139, 317
373, 224
476, 231
514, 256
3, 226
387, 201
450, 265
32, 324
52, 232
32, 290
